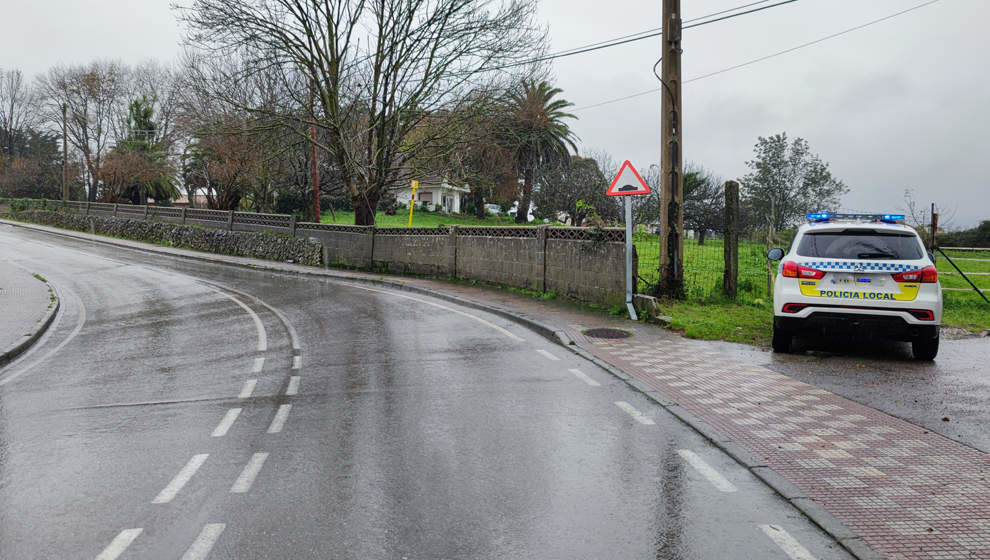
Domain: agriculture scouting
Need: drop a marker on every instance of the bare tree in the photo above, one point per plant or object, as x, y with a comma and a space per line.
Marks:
95, 99
18, 107
379, 70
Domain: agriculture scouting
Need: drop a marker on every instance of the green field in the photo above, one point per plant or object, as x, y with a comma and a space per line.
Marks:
707, 315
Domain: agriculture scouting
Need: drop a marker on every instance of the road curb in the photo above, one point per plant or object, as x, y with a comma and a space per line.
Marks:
23, 346
852, 542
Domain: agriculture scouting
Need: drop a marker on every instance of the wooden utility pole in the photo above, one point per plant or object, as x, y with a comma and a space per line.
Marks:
65, 155
672, 190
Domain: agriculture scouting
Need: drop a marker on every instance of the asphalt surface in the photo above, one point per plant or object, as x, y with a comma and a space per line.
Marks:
950, 396
182, 409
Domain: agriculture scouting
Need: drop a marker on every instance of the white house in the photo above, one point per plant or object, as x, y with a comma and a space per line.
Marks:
436, 192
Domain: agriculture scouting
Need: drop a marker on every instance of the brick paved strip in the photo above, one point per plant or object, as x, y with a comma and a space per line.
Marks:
909, 493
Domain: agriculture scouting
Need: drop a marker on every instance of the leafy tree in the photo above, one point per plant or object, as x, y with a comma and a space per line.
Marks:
704, 202
787, 181
975, 237
137, 168
573, 190
31, 165
537, 134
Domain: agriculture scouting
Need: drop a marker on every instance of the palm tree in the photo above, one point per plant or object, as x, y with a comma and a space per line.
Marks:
537, 134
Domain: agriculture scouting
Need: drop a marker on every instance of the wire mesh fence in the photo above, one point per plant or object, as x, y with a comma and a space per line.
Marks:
704, 267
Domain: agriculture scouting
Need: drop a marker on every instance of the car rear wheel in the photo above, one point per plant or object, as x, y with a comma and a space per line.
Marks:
925, 349
782, 340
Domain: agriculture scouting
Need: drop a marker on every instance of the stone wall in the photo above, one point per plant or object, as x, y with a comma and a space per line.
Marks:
580, 263
244, 244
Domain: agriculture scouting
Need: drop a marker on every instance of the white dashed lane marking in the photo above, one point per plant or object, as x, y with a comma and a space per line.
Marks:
296, 362
250, 472
119, 544
248, 389
548, 355
637, 415
787, 543
180, 480
706, 470
280, 417
293, 388
201, 547
259, 364
226, 422
584, 377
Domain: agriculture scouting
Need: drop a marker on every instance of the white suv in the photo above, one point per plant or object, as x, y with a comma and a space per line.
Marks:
860, 274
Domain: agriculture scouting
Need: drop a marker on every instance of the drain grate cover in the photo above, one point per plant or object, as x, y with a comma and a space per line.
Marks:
607, 333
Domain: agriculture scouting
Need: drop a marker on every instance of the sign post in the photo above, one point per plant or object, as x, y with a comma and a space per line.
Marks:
412, 201
628, 183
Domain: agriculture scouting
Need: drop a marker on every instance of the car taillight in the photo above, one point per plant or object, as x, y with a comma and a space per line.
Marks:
927, 275
922, 314
792, 269
793, 307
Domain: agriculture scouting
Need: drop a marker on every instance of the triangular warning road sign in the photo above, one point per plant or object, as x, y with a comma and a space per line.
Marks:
627, 182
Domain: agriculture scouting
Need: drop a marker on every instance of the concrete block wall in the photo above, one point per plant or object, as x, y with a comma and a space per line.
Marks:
350, 246
416, 254
500, 260
587, 271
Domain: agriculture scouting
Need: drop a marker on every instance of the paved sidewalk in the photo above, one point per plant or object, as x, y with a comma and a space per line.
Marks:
26, 309
866, 476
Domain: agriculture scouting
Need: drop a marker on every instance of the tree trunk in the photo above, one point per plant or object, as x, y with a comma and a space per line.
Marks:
701, 236
522, 212
478, 197
364, 210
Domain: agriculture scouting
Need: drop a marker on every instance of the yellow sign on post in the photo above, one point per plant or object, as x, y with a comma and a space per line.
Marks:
412, 201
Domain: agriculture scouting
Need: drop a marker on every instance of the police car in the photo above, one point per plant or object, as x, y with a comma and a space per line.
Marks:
861, 274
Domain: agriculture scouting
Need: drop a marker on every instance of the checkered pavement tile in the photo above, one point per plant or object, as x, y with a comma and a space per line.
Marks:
909, 493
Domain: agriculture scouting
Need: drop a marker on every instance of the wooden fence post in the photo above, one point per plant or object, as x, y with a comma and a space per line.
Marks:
114, 209
292, 225
230, 221
183, 215
730, 278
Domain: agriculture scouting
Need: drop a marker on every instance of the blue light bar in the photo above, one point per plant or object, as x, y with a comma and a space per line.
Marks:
829, 216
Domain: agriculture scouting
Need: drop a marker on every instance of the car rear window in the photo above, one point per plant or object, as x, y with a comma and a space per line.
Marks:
860, 244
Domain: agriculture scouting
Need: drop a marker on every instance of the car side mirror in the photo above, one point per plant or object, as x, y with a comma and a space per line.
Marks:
775, 254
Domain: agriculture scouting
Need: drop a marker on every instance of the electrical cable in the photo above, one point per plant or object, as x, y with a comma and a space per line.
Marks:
762, 58
654, 30
635, 38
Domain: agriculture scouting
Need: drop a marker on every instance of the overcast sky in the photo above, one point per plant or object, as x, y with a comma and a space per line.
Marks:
900, 104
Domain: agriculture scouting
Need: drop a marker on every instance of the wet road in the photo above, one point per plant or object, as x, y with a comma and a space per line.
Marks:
950, 396
182, 409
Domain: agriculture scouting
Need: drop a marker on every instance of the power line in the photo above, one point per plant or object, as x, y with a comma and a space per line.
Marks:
634, 37
762, 58
654, 30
